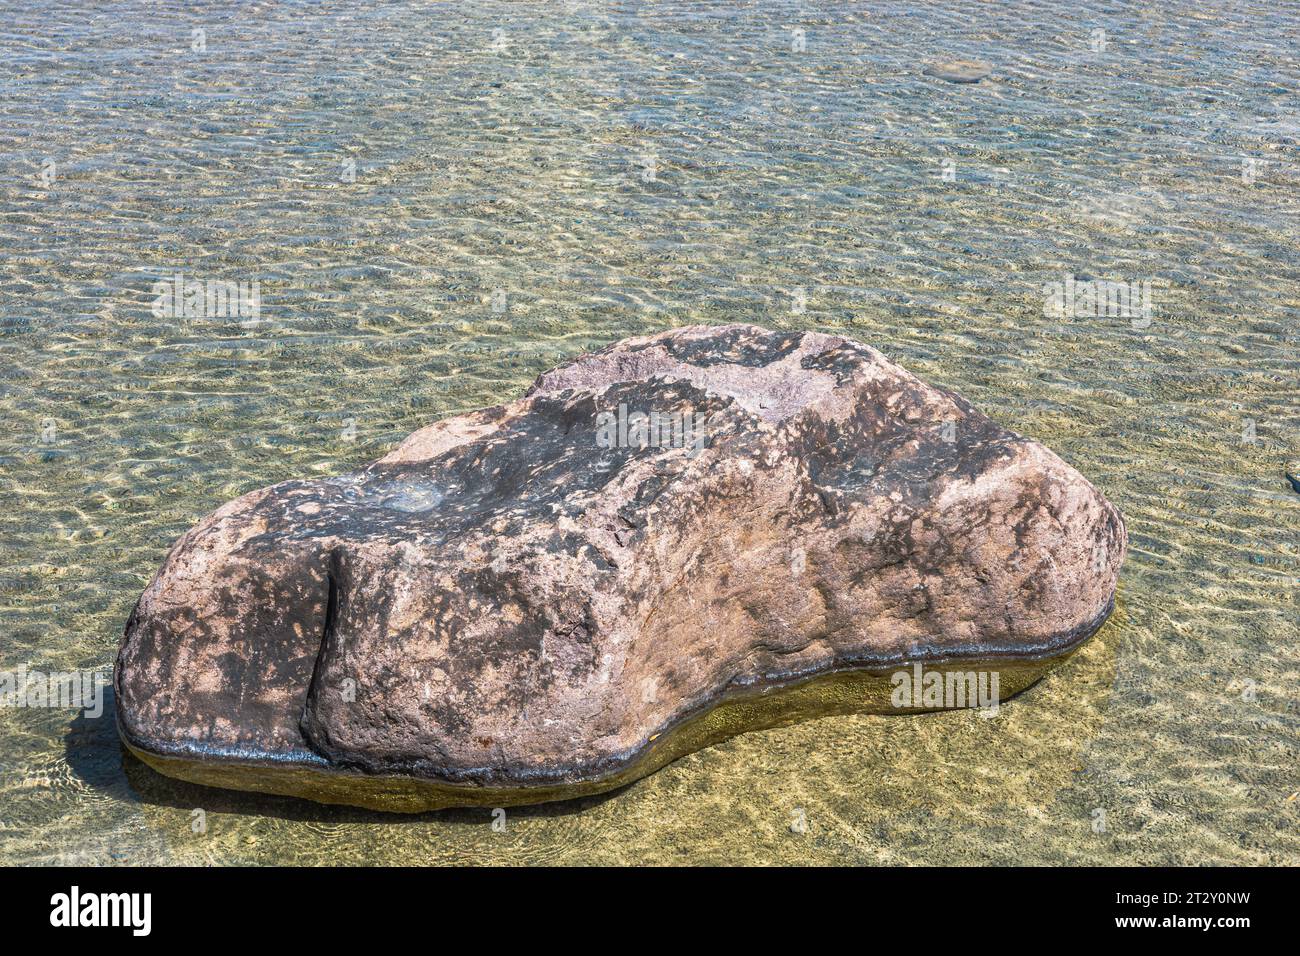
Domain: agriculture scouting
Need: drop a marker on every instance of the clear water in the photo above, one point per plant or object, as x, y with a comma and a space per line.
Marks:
535, 179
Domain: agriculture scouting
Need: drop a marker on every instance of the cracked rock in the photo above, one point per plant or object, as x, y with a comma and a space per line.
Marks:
662, 544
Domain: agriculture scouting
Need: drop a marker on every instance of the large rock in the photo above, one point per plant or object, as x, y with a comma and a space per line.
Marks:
541, 600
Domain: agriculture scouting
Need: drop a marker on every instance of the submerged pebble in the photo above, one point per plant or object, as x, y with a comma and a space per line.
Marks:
958, 71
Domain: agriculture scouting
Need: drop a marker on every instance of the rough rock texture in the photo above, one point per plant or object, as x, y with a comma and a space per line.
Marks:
504, 608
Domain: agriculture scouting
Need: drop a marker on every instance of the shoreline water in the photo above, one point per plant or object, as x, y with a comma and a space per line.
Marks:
435, 212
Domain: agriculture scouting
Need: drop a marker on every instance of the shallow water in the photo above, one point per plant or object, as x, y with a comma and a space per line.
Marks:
439, 201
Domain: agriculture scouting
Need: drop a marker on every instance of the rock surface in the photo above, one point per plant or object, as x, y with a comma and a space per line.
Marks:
540, 600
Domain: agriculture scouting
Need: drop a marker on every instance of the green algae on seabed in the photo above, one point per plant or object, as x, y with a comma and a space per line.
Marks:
619, 171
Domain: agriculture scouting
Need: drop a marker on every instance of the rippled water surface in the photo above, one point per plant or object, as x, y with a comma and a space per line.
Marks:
438, 201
